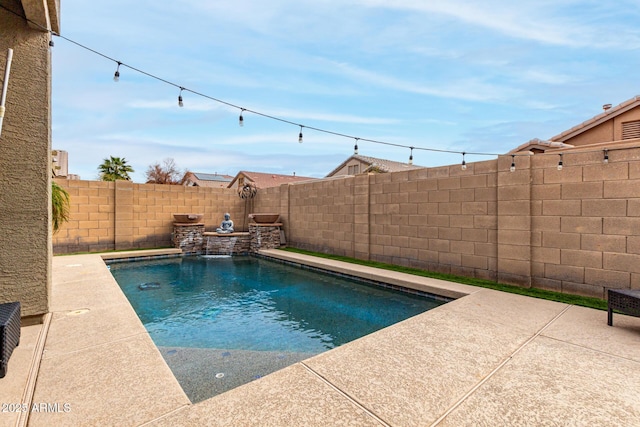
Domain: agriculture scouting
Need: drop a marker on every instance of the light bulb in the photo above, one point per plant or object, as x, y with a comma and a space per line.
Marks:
606, 157
241, 119
513, 163
116, 75
180, 103
300, 136
560, 163
355, 149
464, 164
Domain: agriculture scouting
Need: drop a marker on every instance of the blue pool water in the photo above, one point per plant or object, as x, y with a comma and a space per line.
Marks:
244, 308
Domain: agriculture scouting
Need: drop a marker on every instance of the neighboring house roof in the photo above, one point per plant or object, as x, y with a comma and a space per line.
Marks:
599, 119
538, 145
559, 142
207, 179
266, 180
211, 177
380, 165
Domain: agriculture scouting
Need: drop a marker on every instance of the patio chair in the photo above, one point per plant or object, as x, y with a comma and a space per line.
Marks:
9, 333
625, 301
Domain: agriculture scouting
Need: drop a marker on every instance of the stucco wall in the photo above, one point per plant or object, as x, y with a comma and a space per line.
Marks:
629, 116
25, 262
611, 130
345, 169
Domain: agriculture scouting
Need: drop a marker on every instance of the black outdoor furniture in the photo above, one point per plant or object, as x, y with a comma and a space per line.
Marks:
625, 301
9, 333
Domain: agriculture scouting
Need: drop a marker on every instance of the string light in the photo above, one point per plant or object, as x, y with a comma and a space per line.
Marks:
411, 156
300, 138
513, 163
248, 110
116, 75
241, 119
355, 147
180, 103
51, 43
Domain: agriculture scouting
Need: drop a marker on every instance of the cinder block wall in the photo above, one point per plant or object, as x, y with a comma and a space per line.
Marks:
586, 222
575, 231
270, 200
320, 216
123, 215
441, 219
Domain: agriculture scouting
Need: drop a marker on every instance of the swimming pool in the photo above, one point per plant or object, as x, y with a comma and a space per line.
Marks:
221, 322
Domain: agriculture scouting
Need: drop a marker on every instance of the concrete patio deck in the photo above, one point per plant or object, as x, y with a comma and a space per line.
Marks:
487, 358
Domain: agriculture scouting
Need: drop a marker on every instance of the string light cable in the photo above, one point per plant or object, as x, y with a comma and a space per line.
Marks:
120, 64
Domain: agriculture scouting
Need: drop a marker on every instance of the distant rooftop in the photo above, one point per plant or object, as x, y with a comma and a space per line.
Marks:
539, 145
607, 114
212, 177
266, 180
382, 165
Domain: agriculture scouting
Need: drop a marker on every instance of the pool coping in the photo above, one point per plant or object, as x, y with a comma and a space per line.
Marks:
495, 356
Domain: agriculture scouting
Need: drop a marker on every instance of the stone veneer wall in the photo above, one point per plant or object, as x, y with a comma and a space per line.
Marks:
264, 236
576, 230
226, 244
192, 239
188, 237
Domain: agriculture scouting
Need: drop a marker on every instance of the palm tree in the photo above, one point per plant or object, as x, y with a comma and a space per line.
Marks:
115, 168
59, 206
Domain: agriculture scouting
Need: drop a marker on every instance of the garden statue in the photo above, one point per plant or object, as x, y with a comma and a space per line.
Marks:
226, 226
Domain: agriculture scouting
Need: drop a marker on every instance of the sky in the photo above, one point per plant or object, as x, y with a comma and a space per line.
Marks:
452, 75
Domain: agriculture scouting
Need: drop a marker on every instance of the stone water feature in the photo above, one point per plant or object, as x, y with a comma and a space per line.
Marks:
188, 232
264, 233
236, 243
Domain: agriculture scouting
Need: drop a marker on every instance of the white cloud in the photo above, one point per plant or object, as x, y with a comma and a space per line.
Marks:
529, 20
468, 89
547, 77
423, 73
191, 103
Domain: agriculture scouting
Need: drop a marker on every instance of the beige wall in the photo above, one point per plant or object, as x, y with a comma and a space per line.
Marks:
441, 219
345, 170
25, 162
123, 215
586, 222
575, 231
611, 130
